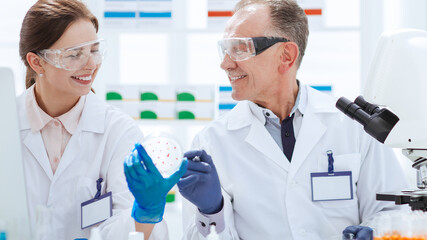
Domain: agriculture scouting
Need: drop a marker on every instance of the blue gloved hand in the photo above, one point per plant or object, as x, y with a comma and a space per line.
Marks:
359, 233
148, 186
200, 184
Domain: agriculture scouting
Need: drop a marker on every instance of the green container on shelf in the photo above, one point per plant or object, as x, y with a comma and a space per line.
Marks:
114, 96
170, 197
185, 97
148, 96
148, 115
186, 115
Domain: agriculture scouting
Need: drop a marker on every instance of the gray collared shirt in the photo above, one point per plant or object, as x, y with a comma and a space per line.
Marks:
272, 122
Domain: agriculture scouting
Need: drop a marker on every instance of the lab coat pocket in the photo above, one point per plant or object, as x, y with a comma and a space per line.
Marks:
344, 162
86, 189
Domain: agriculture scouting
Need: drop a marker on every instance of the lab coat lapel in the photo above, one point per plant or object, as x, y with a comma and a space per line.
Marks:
92, 121
258, 136
33, 140
311, 131
71, 153
262, 141
312, 128
34, 143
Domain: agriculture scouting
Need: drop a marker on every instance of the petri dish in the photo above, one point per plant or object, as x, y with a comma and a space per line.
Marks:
165, 152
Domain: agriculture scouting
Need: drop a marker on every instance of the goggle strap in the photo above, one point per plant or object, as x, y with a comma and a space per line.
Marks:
54, 62
262, 43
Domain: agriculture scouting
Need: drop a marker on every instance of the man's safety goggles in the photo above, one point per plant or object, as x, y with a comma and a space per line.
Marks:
76, 57
240, 49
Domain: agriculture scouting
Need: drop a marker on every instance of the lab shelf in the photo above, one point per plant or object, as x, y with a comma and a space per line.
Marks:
175, 122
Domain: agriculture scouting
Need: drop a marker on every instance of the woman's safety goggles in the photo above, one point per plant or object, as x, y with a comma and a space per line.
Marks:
76, 57
240, 49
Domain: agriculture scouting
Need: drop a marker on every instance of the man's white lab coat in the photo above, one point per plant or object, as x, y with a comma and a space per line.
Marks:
266, 197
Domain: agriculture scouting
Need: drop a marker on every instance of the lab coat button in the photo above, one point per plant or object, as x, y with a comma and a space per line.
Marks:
56, 123
303, 232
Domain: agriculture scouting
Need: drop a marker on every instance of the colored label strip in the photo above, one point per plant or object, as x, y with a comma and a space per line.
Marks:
155, 14
226, 106
119, 14
313, 11
225, 88
220, 13
322, 88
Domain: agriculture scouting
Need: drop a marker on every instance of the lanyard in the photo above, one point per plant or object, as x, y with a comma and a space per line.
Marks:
98, 188
330, 162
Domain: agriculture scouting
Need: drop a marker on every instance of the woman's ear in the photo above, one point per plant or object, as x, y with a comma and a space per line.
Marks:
288, 57
35, 62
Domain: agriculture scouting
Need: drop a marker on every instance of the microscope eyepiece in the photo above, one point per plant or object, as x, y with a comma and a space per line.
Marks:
367, 107
375, 121
352, 110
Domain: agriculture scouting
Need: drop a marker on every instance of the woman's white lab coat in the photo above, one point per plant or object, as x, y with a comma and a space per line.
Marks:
97, 149
266, 197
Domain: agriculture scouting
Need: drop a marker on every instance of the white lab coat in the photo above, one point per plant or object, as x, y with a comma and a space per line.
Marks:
98, 147
266, 197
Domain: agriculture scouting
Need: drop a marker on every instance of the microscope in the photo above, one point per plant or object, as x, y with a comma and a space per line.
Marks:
395, 109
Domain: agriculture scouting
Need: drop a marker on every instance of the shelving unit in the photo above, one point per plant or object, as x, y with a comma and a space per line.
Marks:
183, 54
183, 130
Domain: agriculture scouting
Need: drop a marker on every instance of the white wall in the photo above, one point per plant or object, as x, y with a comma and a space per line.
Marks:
339, 54
387, 15
11, 16
378, 16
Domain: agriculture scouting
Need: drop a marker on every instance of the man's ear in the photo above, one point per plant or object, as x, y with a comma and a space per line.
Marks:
35, 62
288, 57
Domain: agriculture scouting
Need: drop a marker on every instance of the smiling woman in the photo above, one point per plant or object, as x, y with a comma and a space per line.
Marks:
73, 144
50, 28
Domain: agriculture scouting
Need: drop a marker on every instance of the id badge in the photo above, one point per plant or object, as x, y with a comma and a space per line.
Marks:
96, 210
331, 186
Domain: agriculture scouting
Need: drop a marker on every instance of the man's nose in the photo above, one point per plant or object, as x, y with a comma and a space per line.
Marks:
227, 63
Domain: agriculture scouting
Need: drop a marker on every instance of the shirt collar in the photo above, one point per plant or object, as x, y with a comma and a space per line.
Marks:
262, 113
71, 119
39, 118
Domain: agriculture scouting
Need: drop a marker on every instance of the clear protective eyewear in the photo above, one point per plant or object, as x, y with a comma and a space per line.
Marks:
240, 49
76, 57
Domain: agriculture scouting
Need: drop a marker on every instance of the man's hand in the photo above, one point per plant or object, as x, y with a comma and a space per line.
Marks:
200, 184
358, 232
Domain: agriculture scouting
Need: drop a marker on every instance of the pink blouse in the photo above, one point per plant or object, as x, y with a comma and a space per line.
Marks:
55, 132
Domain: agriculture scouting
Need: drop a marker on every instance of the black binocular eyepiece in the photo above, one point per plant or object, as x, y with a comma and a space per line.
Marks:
367, 107
377, 122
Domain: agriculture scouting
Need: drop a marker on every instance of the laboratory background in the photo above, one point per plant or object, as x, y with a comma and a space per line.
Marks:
162, 66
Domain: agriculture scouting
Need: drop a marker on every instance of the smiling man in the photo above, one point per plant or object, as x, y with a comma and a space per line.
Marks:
284, 163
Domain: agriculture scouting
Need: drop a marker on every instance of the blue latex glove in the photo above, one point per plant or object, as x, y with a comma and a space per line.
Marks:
359, 233
148, 186
200, 184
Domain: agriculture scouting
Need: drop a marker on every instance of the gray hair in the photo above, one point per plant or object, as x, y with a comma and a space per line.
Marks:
288, 20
